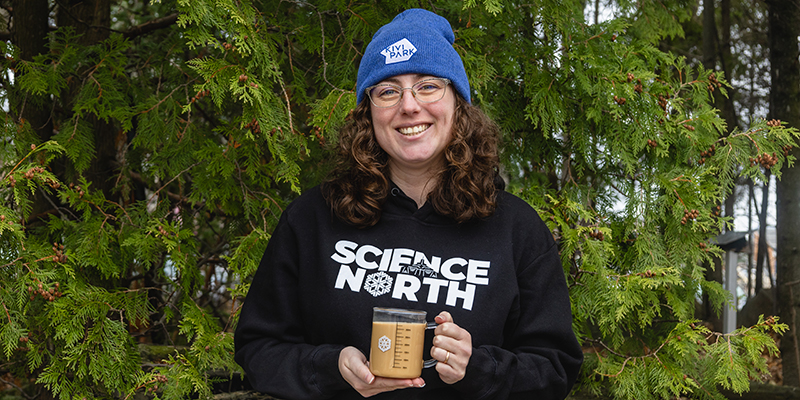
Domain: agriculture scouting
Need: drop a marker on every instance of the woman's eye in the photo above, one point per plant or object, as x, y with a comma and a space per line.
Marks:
427, 86
388, 92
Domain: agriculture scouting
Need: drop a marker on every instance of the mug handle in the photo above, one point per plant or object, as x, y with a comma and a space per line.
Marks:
432, 361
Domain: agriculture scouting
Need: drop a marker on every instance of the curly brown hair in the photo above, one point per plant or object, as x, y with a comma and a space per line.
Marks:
466, 187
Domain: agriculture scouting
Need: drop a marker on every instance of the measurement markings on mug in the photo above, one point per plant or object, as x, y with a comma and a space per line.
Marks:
402, 344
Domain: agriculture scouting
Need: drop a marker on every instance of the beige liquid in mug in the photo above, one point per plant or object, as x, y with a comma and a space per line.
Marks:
396, 349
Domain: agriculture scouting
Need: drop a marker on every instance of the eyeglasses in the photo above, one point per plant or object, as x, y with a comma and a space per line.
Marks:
429, 90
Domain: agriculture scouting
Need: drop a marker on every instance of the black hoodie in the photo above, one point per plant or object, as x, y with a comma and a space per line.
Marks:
499, 277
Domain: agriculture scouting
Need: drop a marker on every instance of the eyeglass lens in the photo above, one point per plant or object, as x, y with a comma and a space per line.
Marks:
425, 91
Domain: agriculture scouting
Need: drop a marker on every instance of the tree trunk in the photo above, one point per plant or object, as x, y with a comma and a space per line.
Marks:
751, 199
92, 20
30, 37
725, 104
784, 28
762, 253
30, 31
709, 35
709, 58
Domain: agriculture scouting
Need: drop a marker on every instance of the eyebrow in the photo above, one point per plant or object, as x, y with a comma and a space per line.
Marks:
395, 81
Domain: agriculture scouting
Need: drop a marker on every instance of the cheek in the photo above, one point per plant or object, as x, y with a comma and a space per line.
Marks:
449, 123
380, 122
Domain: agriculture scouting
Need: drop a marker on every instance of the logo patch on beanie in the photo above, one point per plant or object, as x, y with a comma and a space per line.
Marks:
399, 51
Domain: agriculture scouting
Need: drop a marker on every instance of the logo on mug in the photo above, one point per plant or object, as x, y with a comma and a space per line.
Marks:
384, 343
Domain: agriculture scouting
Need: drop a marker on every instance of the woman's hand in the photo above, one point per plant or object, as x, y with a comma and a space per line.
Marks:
452, 347
355, 370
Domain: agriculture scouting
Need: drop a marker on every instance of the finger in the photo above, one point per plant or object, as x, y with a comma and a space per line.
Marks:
454, 341
451, 367
449, 374
452, 330
362, 372
442, 355
353, 367
443, 317
381, 385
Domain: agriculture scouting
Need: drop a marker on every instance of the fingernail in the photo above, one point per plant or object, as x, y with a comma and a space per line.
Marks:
422, 385
371, 379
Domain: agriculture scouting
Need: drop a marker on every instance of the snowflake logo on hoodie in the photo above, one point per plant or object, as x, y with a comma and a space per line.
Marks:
378, 284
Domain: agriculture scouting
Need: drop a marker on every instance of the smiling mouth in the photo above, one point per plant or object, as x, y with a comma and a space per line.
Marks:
414, 130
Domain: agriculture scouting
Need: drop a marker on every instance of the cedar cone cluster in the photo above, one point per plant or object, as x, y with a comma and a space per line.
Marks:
77, 188
689, 215
774, 123
638, 86
652, 143
713, 83
243, 78
52, 183
31, 173
159, 379
164, 232
48, 295
199, 95
59, 257
253, 125
596, 234
648, 274
706, 154
662, 102
765, 160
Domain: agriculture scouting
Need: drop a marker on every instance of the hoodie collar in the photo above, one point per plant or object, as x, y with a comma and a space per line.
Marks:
399, 204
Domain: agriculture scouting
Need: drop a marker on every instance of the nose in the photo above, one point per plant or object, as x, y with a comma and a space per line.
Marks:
408, 102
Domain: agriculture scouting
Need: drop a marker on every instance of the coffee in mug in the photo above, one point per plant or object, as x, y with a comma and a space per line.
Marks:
398, 336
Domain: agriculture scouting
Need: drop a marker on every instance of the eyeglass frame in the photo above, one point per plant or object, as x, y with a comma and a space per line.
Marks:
402, 90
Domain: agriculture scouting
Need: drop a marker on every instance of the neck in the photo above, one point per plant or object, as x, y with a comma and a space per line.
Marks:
416, 184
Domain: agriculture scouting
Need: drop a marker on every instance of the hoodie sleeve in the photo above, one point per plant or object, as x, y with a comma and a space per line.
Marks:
269, 338
540, 357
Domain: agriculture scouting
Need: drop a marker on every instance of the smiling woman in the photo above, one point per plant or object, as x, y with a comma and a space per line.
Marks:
413, 217
414, 134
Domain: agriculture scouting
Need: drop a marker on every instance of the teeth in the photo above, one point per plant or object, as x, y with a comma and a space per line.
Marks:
414, 129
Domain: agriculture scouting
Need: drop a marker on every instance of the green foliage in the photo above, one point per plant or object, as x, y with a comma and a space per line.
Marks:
215, 123
627, 162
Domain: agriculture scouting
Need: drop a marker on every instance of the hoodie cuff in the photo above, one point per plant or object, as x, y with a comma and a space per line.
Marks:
479, 378
325, 375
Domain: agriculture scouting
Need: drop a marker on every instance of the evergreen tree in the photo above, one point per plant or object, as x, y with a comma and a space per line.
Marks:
206, 118
784, 30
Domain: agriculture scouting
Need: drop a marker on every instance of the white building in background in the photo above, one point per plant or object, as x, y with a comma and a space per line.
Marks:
741, 249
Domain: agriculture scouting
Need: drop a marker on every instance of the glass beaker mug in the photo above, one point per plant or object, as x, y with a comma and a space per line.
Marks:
398, 336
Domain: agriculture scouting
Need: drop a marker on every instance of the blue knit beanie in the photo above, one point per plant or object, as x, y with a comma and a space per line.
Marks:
416, 41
